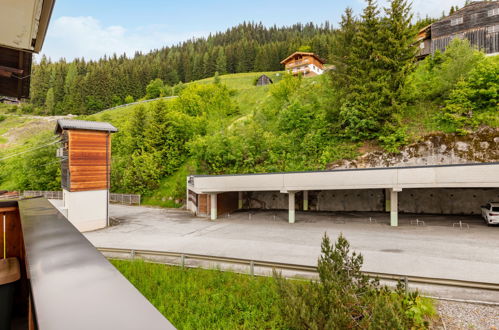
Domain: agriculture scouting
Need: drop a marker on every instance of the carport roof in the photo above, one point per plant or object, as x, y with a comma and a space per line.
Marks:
347, 170
476, 175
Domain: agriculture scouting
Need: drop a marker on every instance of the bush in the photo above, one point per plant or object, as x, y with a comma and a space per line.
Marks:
345, 298
475, 99
2, 118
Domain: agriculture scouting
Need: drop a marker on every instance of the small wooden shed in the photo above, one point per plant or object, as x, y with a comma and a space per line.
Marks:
85, 172
86, 154
264, 80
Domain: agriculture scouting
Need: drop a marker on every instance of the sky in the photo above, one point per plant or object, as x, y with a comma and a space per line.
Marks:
94, 28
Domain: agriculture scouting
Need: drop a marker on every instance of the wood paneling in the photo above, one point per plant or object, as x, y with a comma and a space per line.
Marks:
476, 27
15, 248
227, 202
89, 161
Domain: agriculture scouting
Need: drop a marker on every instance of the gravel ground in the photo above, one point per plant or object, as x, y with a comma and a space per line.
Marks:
457, 315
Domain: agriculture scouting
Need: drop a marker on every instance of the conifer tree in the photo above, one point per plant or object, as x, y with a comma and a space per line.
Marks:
398, 51
50, 102
221, 64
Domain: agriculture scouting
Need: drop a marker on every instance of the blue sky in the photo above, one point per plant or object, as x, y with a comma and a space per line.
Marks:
94, 28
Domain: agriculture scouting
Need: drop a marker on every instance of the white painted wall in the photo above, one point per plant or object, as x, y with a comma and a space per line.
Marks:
462, 176
86, 210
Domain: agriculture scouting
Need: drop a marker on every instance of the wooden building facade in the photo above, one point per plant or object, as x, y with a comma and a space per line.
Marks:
477, 22
304, 63
86, 154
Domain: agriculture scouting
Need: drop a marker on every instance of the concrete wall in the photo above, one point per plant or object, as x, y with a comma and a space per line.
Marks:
86, 210
429, 201
445, 201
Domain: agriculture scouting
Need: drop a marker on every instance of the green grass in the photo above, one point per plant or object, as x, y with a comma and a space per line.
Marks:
206, 299
242, 80
170, 188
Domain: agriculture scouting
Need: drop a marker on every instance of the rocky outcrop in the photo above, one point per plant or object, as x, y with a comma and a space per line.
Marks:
435, 149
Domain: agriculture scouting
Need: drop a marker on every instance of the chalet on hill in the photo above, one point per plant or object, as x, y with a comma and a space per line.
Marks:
305, 63
477, 22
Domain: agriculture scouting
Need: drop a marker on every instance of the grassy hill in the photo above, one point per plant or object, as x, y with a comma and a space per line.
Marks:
288, 126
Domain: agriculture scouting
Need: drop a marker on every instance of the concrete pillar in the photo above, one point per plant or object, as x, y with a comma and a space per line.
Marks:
291, 206
213, 208
305, 200
240, 200
394, 217
387, 200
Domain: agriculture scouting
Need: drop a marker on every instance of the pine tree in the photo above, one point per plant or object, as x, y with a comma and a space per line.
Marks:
398, 52
341, 48
221, 64
50, 102
364, 100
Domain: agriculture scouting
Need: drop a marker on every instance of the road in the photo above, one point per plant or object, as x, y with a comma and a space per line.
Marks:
435, 250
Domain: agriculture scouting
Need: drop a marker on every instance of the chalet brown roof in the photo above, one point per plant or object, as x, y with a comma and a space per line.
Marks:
305, 54
65, 124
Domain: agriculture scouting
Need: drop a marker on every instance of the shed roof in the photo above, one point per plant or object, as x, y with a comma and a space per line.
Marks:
68, 124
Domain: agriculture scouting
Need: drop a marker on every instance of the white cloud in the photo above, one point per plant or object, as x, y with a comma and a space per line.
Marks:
72, 37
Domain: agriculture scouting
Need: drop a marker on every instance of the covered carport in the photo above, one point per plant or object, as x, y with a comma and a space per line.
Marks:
444, 189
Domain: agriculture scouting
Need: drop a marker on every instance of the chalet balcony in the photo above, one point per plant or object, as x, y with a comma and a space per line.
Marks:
297, 63
62, 281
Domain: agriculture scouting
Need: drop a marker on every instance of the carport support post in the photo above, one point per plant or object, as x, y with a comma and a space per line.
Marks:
240, 200
394, 217
291, 206
213, 208
387, 200
305, 200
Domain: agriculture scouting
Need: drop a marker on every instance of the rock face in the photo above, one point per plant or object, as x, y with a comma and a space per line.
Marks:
480, 146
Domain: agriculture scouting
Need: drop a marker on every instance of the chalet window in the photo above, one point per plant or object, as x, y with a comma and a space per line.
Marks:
456, 21
493, 12
493, 29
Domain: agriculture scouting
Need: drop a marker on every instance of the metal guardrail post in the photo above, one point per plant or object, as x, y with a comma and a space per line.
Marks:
132, 254
406, 282
182, 260
252, 268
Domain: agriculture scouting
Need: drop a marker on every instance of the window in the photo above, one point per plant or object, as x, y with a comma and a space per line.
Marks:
493, 29
493, 12
456, 21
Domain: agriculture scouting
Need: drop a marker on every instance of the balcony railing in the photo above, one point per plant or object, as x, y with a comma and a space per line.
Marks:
66, 283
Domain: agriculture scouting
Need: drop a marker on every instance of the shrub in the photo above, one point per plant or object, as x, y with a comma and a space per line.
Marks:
345, 298
474, 100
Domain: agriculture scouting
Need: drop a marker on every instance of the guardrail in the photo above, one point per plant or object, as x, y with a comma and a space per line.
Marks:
129, 199
39, 193
138, 102
299, 268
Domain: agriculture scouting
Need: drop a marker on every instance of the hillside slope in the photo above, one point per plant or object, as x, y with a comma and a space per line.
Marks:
232, 126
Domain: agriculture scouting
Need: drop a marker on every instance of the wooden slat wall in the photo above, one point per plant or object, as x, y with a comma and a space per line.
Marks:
474, 16
89, 169
15, 248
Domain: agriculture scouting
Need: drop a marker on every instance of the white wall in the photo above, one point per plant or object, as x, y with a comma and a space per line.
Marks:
86, 210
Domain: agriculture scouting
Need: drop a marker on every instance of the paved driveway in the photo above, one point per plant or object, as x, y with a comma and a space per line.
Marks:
435, 250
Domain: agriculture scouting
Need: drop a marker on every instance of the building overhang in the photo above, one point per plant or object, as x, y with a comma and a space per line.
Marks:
483, 175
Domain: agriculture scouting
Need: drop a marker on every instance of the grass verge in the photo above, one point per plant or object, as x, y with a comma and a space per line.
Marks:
206, 299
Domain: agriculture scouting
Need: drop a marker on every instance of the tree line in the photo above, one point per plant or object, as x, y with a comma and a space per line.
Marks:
85, 87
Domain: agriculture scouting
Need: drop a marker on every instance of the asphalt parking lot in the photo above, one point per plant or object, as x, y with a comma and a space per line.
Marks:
435, 249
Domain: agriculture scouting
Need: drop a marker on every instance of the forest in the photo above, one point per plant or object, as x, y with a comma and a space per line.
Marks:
85, 87
378, 96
